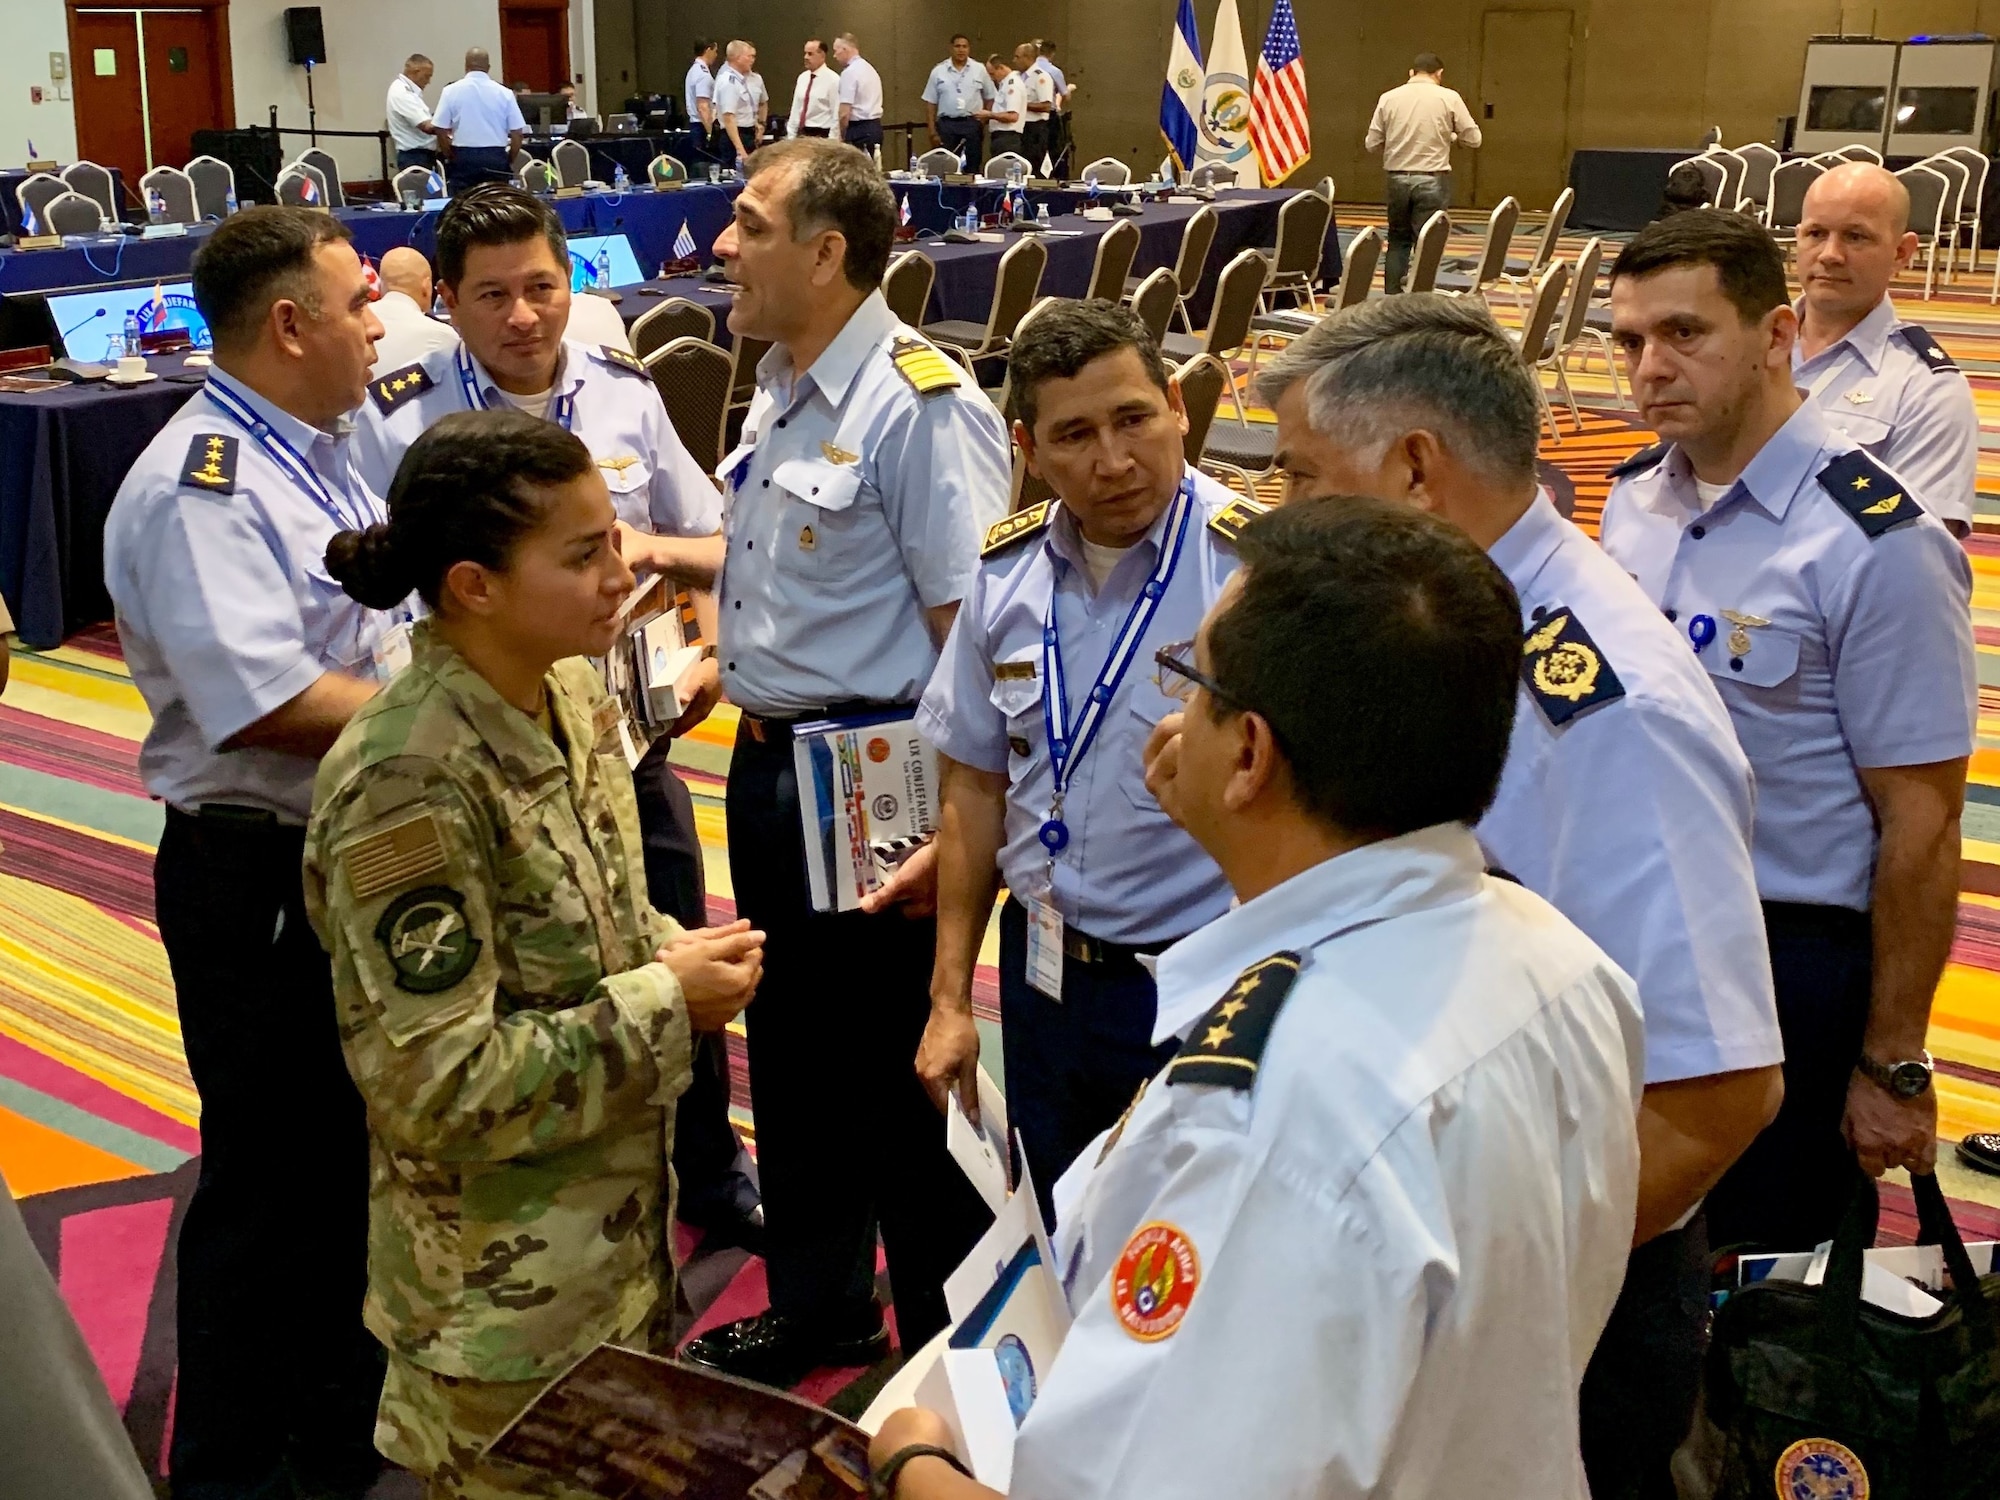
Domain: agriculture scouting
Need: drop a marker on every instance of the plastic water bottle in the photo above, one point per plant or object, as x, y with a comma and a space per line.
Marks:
229, 201
916, 167
619, 181
600, 271
131, 343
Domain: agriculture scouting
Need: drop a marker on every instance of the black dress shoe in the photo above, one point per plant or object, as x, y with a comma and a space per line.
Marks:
780, 1350
742, 1228
1982, 1151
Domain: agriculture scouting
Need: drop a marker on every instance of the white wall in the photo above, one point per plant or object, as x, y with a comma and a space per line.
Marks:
34, 29
366, 42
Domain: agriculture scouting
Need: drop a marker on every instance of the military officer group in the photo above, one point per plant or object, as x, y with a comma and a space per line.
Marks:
1501, 920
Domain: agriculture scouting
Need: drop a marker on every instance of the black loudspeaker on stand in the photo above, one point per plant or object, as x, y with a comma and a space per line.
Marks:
305, 37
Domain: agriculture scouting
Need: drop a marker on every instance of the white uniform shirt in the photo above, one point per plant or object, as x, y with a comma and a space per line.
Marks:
739, 96
655, 486
1038, 88
408, 333
405, 111
1397, 1246
861, 87
215, 559
816, 100
1010, 97
1891, 387
478, 112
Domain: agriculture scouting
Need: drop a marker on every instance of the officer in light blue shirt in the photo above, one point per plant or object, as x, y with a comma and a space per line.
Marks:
1041, 737
251, 659
956, 91
699, 93
481, 122
1832, 613
869, 468
1626, 801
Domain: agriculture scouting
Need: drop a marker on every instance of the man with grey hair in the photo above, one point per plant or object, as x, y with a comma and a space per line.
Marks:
741, 102
1626, 801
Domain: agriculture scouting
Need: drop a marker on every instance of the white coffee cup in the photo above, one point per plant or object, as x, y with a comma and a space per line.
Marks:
131, 366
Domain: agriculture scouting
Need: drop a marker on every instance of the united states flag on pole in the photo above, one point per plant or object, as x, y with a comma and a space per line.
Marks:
1280, 131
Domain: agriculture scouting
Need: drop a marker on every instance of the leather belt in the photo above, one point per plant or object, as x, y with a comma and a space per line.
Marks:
776, 729
1086, 949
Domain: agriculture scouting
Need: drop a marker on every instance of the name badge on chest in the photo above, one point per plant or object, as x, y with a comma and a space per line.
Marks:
1045, 949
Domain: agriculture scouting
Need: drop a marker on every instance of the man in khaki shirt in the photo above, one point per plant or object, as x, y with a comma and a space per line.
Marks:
1414, 128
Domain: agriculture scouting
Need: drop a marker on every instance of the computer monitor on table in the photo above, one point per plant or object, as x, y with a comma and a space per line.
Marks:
543, 110
90, 323
584, 251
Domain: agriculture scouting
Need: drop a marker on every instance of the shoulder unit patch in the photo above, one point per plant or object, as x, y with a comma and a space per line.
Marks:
1563, 668
211, 464
1926, 348
1227, 1044
1228, 523
1018, 527
928, 372
613, 355
1869, 493
1645, 458
391, 390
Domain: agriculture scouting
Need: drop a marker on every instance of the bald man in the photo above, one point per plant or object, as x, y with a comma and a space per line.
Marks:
1887, 384
409, 332
480, 126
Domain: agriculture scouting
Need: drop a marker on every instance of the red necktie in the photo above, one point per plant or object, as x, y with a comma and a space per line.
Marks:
807, 105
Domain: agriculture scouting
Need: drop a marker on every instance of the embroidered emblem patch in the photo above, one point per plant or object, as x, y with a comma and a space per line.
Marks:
1564, 669
1821, 1469
211, 463
392, 390
1154, 1281
1018, 527
424, 936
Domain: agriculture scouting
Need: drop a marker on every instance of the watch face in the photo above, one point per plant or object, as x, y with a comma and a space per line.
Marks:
1907, 1080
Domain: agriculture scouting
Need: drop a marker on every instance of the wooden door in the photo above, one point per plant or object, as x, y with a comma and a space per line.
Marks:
183, 80
1522, 107
534, 45
110, 113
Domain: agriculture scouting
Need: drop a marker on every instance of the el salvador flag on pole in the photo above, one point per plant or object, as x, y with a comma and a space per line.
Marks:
1180, 95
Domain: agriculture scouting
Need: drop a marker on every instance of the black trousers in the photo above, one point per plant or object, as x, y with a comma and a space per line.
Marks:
471, 165
276, 1370
707, 1154
415, 156
1639, 1389
865, 134
1036, 143
1787, 1192
1413, 198
998, 141
961, 134
848, 1142
1073, 1065
819, 132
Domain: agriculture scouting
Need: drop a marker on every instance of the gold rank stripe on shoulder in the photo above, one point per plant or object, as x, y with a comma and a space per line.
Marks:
211, 463
1226, 1046
1228, 523
394, 857
624, 360
1018, 527
391, 390
927, 371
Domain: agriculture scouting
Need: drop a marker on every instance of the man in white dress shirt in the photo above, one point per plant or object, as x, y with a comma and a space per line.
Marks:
409, 332
816, 95
1359, 1237
480, 120
860, 95
409, 116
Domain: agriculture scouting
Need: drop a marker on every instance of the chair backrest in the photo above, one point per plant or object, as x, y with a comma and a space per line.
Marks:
214, 181
1432, 240
93, 181
33, 196
939, 162
1324, 187
537, 176
1153, 303
1302, 221
1542, 311
743, 380
1005, 399
1108, 169
69, 212
665, 168
1202, 380
1711, 174
1117, 247
1014, 288
1759, 162
1789, 181
1954, 172
996, 166
675, 318
326, 172
1976, 164
175, 190
1582, 287
1027, 488
411, 180
1733, 167
1499, 232
906, 286
1208, 174
1545, 248
1236, 293
292, 186
694, 379
1196, 237
1860, 153
571, 160
1357, 272
1928, 189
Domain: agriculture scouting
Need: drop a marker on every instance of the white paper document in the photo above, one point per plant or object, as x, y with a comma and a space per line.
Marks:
981, 1150
866, 784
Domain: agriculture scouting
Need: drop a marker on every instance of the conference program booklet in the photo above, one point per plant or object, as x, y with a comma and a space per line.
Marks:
867, 800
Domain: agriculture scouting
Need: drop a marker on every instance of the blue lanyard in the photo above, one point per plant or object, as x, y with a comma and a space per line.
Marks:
562, 409
288, 459
1068, 744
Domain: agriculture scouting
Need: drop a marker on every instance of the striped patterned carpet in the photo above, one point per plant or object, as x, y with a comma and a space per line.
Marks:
97, 1113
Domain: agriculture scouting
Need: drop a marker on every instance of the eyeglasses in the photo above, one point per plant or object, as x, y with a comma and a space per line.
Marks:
1177, 676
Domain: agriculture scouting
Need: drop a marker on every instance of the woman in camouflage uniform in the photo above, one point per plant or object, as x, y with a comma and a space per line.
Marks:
516, 1014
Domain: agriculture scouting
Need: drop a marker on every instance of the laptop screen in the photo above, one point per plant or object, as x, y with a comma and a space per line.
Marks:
91, 324
603, 255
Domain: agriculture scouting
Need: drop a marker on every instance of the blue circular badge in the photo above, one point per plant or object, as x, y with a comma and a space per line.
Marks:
1055, 835
1017, 1373
1701, 630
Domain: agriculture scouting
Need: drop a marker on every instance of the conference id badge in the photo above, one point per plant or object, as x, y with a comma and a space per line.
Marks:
1045, 949
392, 651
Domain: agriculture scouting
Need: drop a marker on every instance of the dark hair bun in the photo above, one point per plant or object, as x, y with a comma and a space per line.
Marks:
367, 565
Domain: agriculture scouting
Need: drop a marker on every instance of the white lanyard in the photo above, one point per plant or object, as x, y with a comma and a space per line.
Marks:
288, 459
562, 409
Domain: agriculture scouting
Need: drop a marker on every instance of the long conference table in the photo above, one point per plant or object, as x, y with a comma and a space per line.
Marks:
63, 453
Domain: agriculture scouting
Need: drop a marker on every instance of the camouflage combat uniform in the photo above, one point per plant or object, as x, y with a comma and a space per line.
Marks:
481, 891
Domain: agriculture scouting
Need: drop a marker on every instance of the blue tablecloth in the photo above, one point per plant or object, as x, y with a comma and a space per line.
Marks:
10, 206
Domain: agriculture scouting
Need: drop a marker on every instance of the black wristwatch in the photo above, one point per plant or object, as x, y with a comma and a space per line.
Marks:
882, 1485
1905, 1080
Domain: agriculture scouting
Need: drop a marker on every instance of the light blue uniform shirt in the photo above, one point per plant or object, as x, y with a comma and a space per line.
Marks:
1128, 874
1866, 661
738, 96
853, 505
1062, 83
957, 92
1891, 388
700, 85
478, 111
655, 485
224, 605
1633, 818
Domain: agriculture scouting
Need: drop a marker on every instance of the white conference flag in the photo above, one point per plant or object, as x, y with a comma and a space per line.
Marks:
1225, 102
